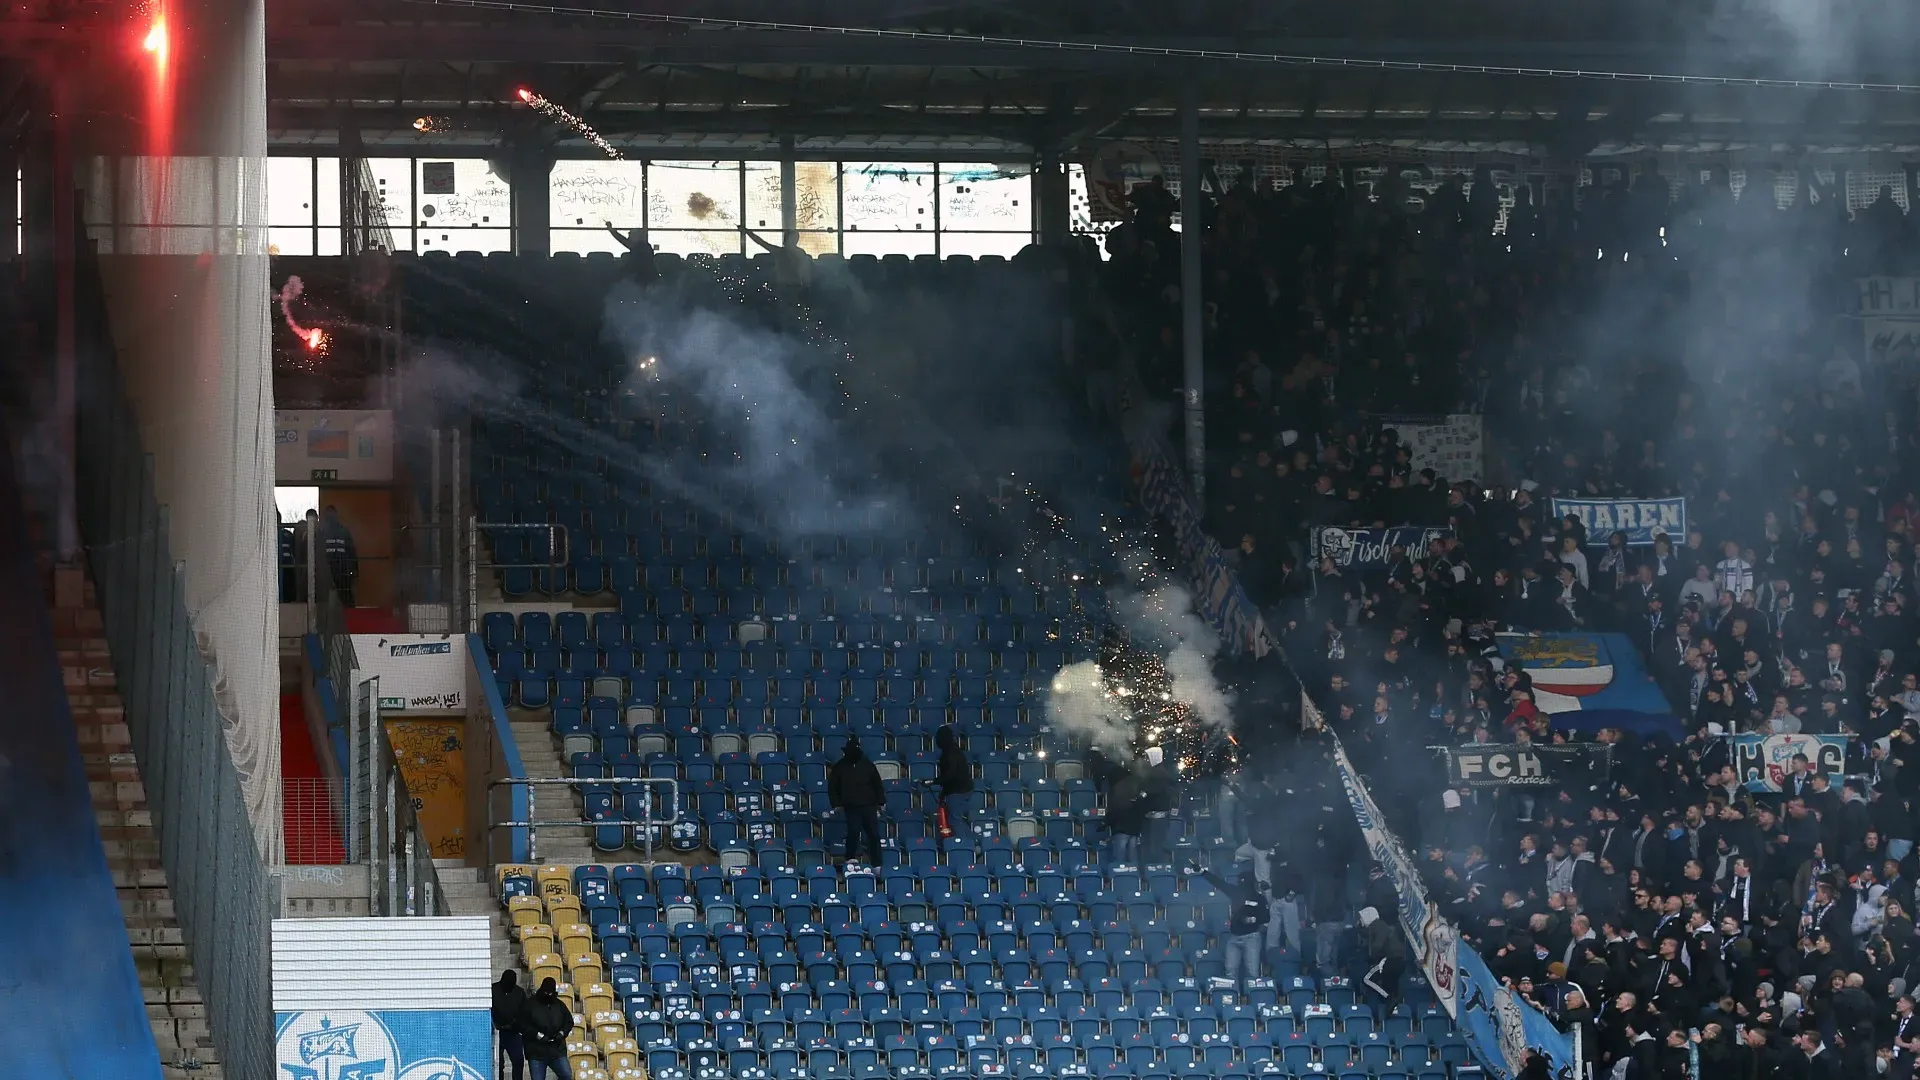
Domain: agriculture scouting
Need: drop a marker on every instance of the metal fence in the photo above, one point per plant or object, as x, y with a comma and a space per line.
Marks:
316, 802
223, 894
402, 874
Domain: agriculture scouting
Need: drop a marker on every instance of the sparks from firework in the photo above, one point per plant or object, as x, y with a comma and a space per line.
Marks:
560, 115
314, 338
433, 125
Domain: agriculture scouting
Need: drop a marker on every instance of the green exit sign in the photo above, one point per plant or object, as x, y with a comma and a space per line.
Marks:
326, 474
393, 703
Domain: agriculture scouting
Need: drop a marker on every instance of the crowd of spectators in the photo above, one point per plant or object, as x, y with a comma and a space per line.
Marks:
1644, 340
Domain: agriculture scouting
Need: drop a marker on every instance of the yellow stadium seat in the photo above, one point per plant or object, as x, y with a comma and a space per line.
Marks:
613, 1044
583, 1066
589, 1073
620, 1060
562, 910
554, 881
505, 870
596, 998
525, 911
608, 1024
578, 1047
575, 938
543, 967
536, 939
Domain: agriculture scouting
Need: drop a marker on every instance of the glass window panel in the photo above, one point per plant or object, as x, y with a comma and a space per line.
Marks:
297, 240
887, 243
462, 193
693, 195
326, 192
593, 194
820, 243
1005, 244
330, 241
290, 191
393, 183
696, 241
985, 198
458, 240
585, 241
888, 196
763, 198
816, 189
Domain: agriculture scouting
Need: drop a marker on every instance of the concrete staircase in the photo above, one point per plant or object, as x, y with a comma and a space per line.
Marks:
540, 753
126, 829
468, 892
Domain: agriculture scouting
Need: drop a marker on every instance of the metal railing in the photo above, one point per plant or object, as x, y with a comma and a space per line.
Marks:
559, 543
645, 824
400, 874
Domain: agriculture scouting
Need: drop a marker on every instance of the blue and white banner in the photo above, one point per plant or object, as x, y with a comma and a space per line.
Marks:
407, 1044
1766, 762
1586, 682
1373, 547
1499, 1025
1640, 519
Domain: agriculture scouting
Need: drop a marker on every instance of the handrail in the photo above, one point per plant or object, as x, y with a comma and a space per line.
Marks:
646, 822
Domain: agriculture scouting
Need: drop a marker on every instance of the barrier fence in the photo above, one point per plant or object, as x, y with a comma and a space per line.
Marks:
646, 824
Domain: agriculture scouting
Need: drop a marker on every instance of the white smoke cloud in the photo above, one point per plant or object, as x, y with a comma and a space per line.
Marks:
1165, 620
1080, 706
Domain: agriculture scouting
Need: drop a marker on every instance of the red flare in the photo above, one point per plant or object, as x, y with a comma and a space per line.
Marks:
526, 94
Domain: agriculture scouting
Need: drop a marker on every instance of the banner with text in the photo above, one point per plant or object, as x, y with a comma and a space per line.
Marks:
417, 672
1453, 447
1570, 768
1640, 519
1498, 1024
1765, 762
1366, 548
1890, 341
1889, 296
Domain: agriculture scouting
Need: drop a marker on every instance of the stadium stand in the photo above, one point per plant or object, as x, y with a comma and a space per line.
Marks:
694, 648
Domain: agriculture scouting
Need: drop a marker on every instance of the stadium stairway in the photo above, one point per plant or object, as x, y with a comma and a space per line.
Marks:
126, 828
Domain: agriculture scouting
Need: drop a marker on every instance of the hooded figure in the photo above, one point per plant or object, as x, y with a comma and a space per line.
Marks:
955, 780
1248, 909
509, 1010
546, 1023
854, 788
1384, 947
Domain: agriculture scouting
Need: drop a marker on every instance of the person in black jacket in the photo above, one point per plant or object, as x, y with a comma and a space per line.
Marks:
955, 781
509, 1007
546, 1022
343, 558
1248, 909
854, 789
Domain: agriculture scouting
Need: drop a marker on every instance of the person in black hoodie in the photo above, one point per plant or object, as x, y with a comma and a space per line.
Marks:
509, 1006
854, 788
955, 781
546, 1022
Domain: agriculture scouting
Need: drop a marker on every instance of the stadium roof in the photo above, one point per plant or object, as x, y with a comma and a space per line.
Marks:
1006, 78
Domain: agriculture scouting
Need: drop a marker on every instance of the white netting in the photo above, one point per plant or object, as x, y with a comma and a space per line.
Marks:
183, 243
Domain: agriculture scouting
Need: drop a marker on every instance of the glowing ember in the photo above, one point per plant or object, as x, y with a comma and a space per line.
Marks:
561, 116
314, 338
156, 40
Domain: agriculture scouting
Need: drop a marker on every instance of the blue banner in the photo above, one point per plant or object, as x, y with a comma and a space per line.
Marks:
1500, 1025
1586, 682
1640, 519
410, 1044
1766, 762
1373, 547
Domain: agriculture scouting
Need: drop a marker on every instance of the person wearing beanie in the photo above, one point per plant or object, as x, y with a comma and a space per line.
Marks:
855, 789
545, 1024
1248, 910
509, 1006
1384, 949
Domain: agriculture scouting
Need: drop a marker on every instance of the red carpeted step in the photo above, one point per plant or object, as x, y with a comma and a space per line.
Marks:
366, 620
312, 837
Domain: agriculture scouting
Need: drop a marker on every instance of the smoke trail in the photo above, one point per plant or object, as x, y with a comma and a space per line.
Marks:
752, 385
1080, 705
1164, 620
